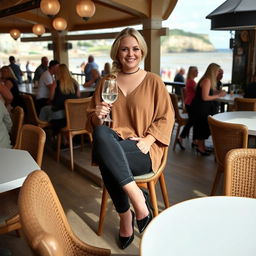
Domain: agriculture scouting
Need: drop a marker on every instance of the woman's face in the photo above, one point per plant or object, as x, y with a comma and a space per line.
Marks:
129, 54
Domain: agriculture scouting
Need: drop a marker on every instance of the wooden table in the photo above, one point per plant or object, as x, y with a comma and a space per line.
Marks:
209, 226
15, 165
247, 118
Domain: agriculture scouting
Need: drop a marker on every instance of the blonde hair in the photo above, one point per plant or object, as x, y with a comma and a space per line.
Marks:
67, 82
9, 72
191, 72
211, 74
116, 65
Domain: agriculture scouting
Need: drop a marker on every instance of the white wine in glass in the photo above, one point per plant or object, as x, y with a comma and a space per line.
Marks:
109, 94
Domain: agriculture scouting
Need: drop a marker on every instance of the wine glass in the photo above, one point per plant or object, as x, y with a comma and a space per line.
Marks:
109, 94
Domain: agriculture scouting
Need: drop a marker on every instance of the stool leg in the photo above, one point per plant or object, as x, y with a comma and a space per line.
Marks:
164, 190
152, 192
58, 147
70, 137
103, 207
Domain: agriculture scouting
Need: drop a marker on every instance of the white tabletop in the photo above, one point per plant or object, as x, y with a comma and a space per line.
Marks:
229, 98
247, 118
15, 165
208, 226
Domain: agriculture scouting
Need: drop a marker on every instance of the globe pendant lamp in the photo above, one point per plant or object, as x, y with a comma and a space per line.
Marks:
15, 33
50, 7
85, 9
38, 29
59, 24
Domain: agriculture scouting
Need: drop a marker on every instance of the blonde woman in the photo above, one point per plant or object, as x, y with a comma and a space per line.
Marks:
142, 123
203, 105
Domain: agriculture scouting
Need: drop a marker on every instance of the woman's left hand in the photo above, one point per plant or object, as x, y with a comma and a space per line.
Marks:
145, 143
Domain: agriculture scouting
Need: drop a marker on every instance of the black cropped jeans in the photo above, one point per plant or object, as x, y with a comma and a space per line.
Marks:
119, 160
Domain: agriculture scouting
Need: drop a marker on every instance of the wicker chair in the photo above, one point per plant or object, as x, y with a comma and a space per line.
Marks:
31, 115
240, 173
244, 104
180, 119
146, 181
225, 136
17, 115
44, 222
76, 124
32, 139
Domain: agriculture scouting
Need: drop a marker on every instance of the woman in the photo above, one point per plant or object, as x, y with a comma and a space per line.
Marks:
203, 106
5, 127
190, 91
139, 132
66, 87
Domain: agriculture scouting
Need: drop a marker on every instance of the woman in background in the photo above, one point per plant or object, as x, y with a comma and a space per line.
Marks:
203, 106
190, 92
5, 127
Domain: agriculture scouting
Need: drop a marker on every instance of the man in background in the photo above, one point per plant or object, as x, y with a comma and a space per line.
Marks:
89, 67
16, 69
179, 77
40, 69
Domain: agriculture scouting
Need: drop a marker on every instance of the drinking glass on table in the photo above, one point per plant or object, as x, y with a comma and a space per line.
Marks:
109, 94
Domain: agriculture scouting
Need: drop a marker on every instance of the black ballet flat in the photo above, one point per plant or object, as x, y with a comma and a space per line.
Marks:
125, 241
181, 146
202, 153
142, 224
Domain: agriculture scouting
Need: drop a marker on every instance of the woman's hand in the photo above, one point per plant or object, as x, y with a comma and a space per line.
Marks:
145, 143
102, 109
222, 93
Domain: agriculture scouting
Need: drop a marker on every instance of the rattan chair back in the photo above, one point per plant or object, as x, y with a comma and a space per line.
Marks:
146, 181
245, 104
240, 173
226, 136
17, 115
44, 222
32, 138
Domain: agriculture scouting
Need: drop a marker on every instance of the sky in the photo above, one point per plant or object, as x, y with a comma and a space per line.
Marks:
189, 15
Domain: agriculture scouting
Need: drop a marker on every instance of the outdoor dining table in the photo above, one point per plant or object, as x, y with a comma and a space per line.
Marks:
15, 165
247, 118
209, 226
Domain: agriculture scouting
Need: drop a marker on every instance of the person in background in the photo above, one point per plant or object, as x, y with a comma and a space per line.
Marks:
135, 142
5, 127
65, 87
190, 91
16, 69
220, 105
203, 105
40, 69
106, 70
45, 83
29, 72
5, 95
179, 77
95, 77
88, 68
250, 89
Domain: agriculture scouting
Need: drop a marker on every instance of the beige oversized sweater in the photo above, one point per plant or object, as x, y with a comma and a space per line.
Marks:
146, 110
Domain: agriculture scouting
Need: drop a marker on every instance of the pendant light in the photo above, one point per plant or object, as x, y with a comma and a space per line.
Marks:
38, 29
15, 33
59, 24
85, 9
50, 7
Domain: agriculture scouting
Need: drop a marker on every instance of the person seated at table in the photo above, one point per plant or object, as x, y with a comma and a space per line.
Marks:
190, 91
250, 89
5, 126
10, 81
95, 77
135, 142
106, 70
46, 81
202, 106
66, 87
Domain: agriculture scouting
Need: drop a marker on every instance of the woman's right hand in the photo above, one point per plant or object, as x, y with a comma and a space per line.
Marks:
222, 93
102, 109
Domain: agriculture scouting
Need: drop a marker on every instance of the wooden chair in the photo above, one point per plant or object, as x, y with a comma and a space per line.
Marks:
183, 96
146, 181
244, 104
32, 139
225, 136
31, 114
180, 119
76, 124
17, 115
44, 222
240, 173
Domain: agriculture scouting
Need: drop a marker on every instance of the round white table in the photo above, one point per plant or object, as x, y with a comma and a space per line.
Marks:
247, 118
209, 226
15, 165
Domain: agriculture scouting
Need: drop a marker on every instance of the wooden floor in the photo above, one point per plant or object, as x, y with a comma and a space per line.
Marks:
187, 175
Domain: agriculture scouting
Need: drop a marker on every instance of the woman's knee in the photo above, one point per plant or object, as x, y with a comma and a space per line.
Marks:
101, 133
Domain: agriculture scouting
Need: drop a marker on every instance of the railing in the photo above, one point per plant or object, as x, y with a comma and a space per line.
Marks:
176, 86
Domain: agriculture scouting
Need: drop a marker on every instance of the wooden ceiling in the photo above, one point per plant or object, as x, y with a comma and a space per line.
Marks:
23, 14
